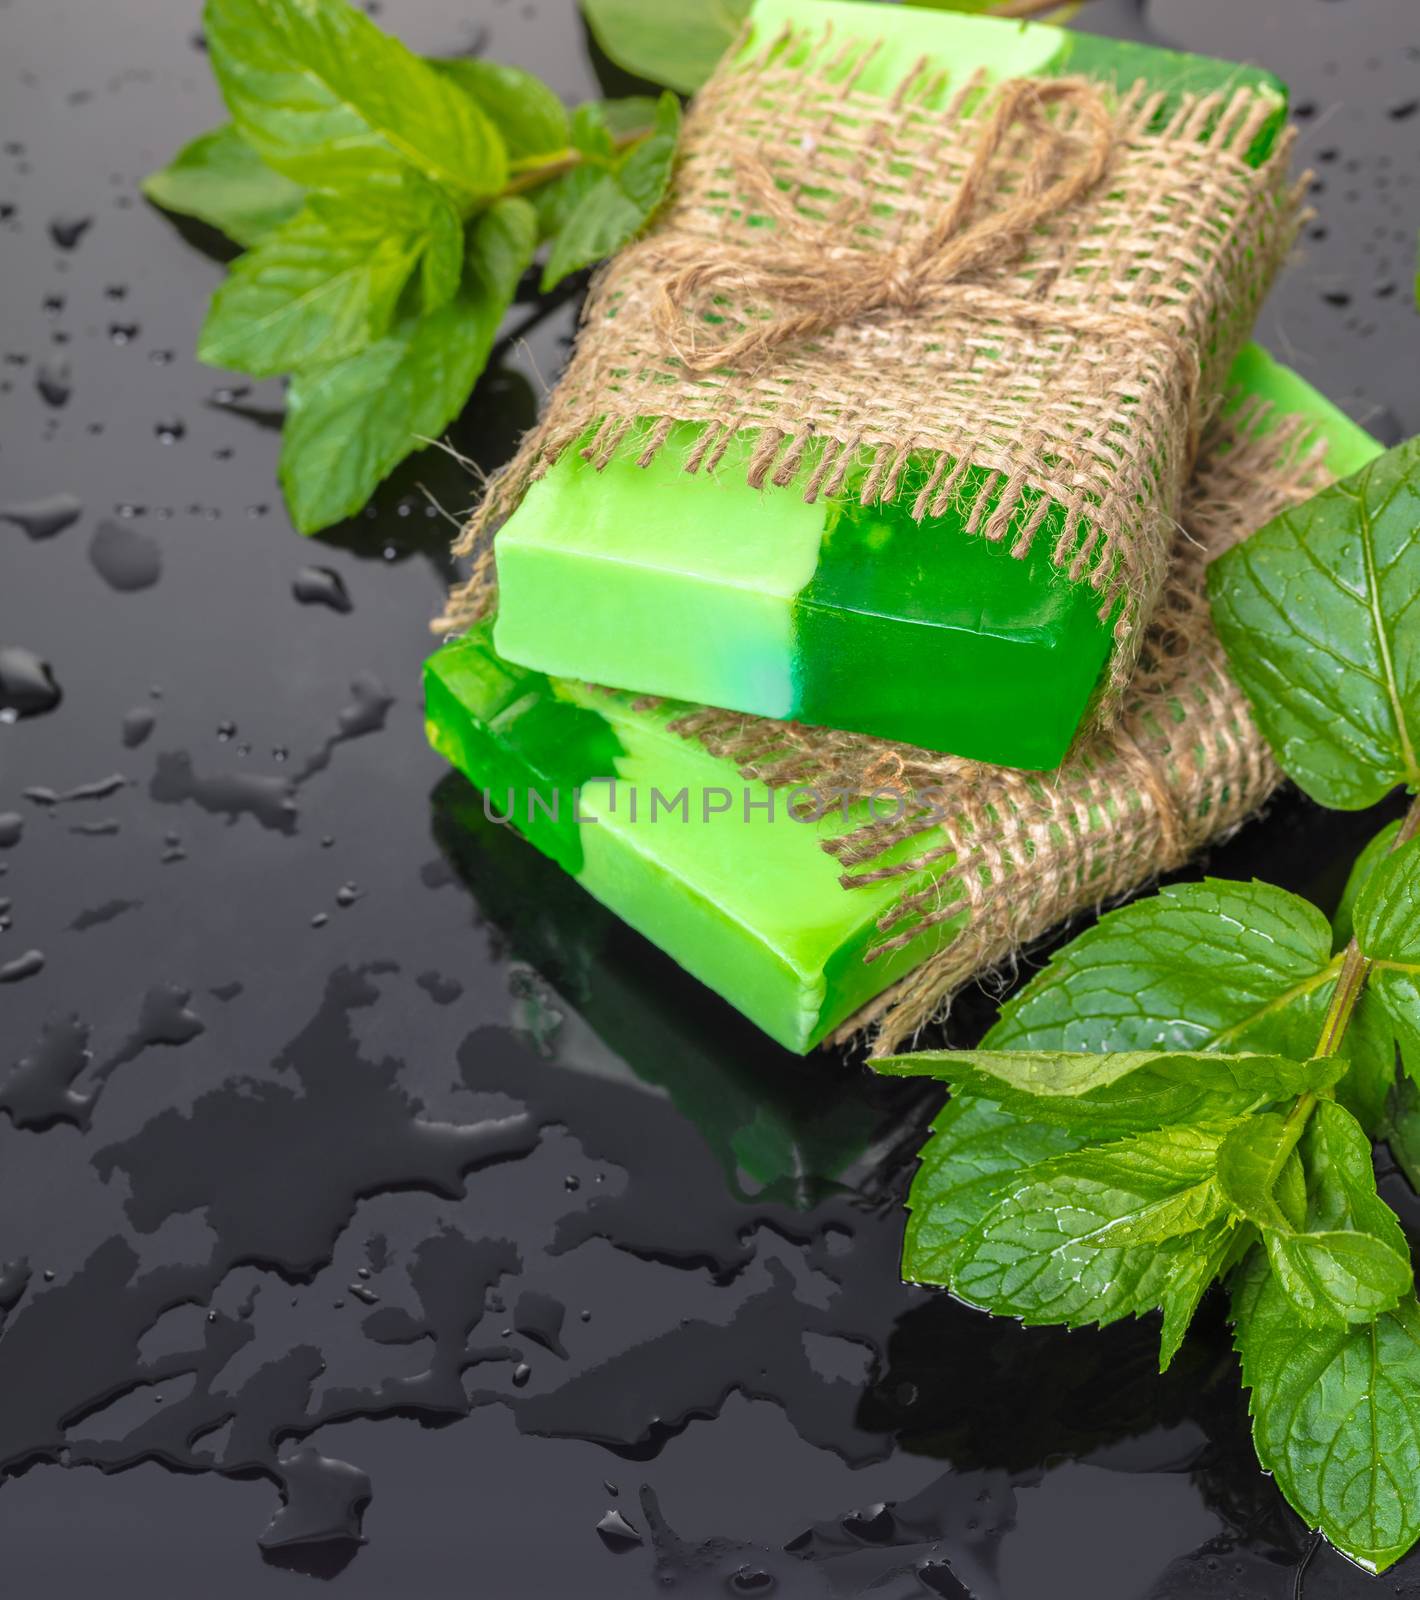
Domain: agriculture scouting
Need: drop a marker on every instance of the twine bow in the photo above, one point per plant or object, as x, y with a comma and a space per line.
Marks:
823, 285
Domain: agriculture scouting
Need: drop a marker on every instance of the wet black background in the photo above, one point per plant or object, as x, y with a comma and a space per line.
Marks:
350, 1154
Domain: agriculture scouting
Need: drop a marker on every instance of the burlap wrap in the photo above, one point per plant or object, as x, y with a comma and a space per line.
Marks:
1022, 852
1038, 336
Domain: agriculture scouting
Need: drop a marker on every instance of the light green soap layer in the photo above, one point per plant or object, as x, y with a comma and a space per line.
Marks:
669, 575
903, 35
736, 891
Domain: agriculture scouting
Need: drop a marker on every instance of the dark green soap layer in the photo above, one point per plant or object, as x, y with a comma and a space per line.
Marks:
922, 632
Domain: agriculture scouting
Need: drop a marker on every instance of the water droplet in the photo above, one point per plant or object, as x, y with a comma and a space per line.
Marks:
43, 518
347, 894
322, 586
539, 1317
123, 332
12, 826
751, 1580
521, 1373
52, 382
27, 686
170, 432
617, 1534
324, 1502
137, 725
441, 990
938, 1578
874, 1524
25, 966
67, 230
124, 558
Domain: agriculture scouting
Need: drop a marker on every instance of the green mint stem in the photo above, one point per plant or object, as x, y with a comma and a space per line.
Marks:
562, 162
1355, 969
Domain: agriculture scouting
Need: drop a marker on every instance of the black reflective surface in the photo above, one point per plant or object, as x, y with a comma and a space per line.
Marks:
362, 1181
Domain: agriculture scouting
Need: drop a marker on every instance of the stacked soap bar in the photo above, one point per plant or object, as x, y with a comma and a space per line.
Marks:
636, 573
709, 866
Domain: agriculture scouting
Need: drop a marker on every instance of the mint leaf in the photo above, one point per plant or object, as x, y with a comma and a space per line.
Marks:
632, 114
321, 94
1338, 1277
219, 179
1211, 965
1335, 1416
1319, 612
1257, 1173
1192, 1274
1370, 1044
974, 1155
675, 42
348, 424
529, 117
1214, 966
1388, 932
595, 216
598, 129
1402, 1129
1096, 1234
326, 283
1336, 1248
441, 270
1116, 1093
1377, 849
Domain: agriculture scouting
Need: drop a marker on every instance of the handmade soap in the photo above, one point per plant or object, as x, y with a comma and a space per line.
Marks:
712, 867
627, 569
707, 865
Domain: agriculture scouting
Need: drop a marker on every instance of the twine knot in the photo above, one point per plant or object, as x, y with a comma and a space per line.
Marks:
823, 286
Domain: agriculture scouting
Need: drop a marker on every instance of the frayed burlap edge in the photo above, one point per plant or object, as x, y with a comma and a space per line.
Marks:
1021, 853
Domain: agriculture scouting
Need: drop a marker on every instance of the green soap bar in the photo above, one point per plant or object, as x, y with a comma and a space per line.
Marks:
699, 587
746, 901
725, 880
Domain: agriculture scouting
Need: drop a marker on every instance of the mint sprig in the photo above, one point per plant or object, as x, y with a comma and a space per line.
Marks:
1188, 1091
389, 207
